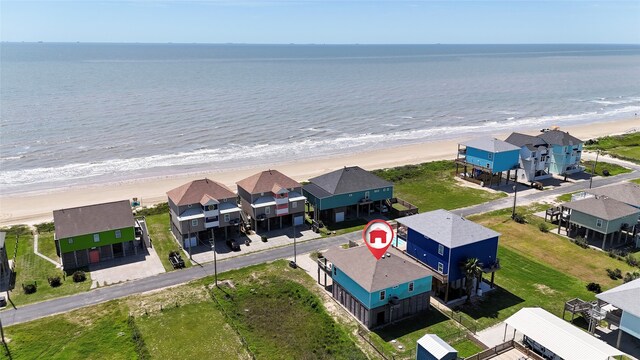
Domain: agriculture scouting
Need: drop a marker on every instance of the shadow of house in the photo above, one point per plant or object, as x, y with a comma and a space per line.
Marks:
412, 324
6, 273
491, 304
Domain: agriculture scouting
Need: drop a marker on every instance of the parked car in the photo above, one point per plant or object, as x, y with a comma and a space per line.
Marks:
233, 245
384, 209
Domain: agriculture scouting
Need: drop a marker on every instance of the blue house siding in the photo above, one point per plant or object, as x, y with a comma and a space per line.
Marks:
425, 249
630, 324
420, 286
353, 198
485, 250
352, 287
497, 162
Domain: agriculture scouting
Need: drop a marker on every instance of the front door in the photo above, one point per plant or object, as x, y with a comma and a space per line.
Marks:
94, 256
380, 318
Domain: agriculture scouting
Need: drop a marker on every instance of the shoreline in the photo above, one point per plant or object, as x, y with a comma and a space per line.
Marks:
35, 207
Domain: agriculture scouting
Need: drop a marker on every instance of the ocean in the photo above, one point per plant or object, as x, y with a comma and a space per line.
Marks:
76, 113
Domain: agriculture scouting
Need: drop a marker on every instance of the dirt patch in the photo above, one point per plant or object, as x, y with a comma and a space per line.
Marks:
149, 303
544, 289
469, 184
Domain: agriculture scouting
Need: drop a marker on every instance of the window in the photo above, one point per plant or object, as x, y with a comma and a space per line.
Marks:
96, 237
210, 219
70, 241
267, 210
212, 207
118, 234
190, 205
395, 287
490, 157
261, 194
440, 249
599, 222
533, 154
226, 217
194, 222
366, 194
376, 191
383, 294
350, 195
335, 270
440, 268
411, 286
294, 205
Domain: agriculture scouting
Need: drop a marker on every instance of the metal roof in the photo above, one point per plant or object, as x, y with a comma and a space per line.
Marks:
373, 275
92, 219
602, 207
625, 297
491, 145
557, 137
349, 179
447, 228
436, 346
559, 336
627, 192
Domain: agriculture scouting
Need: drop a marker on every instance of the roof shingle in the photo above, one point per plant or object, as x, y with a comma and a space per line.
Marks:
626, 192
491, 145
557, 137
92, 219
349, 179
263, 182
602, 207
195, 192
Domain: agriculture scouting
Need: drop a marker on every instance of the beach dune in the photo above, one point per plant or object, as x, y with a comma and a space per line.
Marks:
36, 207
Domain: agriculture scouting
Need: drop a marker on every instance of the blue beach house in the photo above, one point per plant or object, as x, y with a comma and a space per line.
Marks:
487, 157
347, 193
377, 292
625, 297
443, 240
564, 152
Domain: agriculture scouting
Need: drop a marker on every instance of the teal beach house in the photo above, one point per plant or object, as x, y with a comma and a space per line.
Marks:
565, 152
484, 158
377, 292
350, 192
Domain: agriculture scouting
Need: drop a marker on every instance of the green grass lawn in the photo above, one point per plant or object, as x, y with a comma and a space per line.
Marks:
625, 146
98, 332
344, 227
274, 310
637, 181
431, 186
47, 246
195, 331
614, 169
565, 197
162, 238
407, 332
31, 268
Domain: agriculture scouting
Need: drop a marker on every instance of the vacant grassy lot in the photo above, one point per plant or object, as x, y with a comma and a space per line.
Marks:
279, 317
162, 238
47, 246
625, 146
614, 169
431, 186
99, 332
31, 268
407, 333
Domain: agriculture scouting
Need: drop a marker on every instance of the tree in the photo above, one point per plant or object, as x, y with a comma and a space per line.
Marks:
472, 269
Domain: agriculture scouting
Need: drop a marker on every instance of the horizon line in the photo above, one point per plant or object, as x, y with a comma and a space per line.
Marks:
298, 44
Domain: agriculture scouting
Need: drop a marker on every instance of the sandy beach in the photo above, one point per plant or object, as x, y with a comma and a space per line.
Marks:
31, 208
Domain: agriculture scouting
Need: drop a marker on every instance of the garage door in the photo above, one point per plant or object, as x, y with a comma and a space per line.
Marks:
340, 216
298, 220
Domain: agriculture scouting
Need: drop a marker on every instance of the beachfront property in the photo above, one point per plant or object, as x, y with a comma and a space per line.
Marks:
199, 208
534, 157
374, 291
598, 218
553, 338
348, 192
443, 241
270, 198
625, 297
5, 269
91, 234
483, 158
564, 153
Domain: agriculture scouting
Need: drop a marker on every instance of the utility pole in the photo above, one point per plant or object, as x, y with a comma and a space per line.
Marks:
515, 195
593, 169
215, 262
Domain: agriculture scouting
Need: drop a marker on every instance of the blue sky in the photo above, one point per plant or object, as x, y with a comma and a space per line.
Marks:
331, 22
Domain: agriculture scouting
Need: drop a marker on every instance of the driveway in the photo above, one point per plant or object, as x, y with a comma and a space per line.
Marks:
126, 268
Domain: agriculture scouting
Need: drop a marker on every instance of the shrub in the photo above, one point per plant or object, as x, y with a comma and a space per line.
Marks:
79, 276
161, 208
630, 276
631, 260
543, 227
519, 218
580, 241
594, 287
29, 288
618, 273
45, 227
614, 274
54, 281
263, 238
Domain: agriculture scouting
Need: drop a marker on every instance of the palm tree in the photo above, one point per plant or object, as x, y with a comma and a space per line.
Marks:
472, 269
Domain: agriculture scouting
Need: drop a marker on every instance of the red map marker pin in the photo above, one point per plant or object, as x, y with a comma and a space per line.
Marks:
378, 235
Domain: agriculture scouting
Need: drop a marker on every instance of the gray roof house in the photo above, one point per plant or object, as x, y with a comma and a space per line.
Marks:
626, 192
627, 298
534, 159
378, 291
600, 215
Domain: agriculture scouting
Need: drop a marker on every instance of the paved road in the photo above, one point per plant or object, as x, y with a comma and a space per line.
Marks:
60, 305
